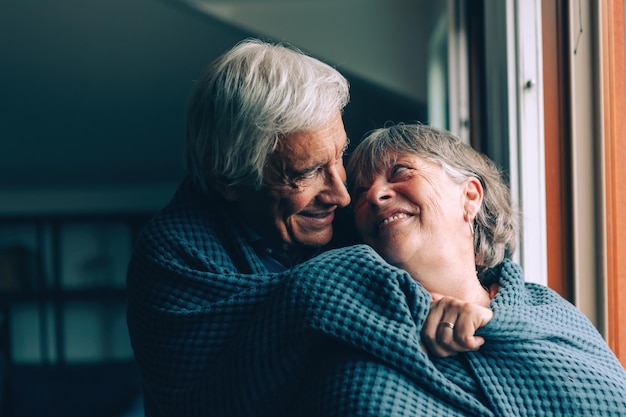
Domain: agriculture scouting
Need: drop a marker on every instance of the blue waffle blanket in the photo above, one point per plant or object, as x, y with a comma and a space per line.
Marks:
215, 334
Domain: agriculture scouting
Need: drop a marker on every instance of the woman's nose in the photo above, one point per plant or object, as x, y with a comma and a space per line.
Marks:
378, 192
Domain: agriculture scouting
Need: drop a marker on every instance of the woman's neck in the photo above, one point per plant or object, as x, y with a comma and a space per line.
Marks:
453, 280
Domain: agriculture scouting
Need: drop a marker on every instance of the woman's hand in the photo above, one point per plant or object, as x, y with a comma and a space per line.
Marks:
450, 326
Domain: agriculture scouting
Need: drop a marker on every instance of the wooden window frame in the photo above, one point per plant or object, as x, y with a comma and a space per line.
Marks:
556, 68
613, 120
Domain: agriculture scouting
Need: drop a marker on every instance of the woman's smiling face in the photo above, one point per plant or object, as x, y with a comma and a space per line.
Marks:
409, 211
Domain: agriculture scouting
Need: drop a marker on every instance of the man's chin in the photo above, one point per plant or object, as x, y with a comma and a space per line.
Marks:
314, 239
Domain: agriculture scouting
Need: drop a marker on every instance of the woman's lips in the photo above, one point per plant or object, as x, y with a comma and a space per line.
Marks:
391, 219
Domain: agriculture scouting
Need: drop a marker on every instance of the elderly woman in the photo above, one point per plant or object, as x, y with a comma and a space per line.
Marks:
435, 207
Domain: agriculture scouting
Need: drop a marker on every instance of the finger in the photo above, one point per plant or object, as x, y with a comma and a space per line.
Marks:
449, 336
468, 322
437, 350
436, 296
430, 334
465, 339
474, 343
443, 344
432, 320
446, 331
451, 324
439, 342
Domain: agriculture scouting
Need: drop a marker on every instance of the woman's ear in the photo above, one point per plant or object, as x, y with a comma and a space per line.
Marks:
228, 192
473, 194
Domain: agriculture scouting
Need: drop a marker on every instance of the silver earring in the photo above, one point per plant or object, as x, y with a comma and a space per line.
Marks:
471, 226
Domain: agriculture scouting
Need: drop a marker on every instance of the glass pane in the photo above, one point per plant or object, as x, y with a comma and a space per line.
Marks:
19, 264
437, 71
94, 255
31, 340
95, 332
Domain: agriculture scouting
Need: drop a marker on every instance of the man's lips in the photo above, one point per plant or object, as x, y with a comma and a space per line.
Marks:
320, 218
319, 215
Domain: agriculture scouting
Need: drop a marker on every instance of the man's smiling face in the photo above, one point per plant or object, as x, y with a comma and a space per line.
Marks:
303, 186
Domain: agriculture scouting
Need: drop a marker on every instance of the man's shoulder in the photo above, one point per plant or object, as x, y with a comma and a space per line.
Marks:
191, 215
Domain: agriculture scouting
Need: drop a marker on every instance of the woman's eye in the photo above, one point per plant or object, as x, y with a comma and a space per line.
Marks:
399, 170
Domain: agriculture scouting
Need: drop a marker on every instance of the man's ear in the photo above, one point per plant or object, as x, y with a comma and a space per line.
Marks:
473, 193
228, 192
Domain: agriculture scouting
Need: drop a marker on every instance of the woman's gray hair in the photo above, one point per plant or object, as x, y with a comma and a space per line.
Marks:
250, 98
495, 225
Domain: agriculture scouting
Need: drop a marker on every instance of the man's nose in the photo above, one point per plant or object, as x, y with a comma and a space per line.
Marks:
336, 188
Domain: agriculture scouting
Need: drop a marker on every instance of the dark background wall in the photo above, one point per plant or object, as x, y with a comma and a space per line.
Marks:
93, 93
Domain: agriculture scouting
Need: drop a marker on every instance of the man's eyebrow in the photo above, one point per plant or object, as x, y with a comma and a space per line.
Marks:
294, 173
309, 168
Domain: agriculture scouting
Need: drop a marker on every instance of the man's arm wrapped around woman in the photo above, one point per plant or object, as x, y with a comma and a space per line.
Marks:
209, 346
